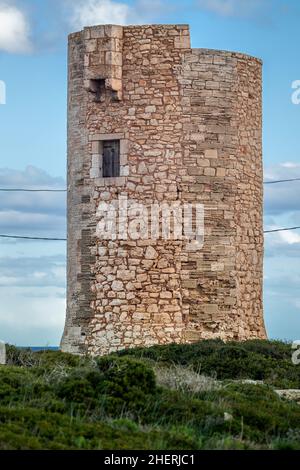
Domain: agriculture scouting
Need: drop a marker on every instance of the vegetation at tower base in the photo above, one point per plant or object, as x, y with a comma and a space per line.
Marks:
208, 395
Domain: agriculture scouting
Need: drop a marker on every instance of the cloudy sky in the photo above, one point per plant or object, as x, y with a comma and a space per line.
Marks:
33, 143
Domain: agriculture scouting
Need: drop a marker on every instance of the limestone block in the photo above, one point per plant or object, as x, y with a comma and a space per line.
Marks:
113, 58
91, 45
151, 253
211, 153
182, 42
221, 172
97, 32
117, 286
114, 31
113, 84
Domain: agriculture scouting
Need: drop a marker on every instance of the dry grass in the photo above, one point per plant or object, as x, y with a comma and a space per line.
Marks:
184, 379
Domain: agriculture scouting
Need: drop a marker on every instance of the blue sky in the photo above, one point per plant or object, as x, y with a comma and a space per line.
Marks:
33, 38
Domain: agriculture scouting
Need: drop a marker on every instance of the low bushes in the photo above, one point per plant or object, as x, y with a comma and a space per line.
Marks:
269, 361
51, 400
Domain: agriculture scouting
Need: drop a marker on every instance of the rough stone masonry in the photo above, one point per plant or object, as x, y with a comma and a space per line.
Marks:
188, 123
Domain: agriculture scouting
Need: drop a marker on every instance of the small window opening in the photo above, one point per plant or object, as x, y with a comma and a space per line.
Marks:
111, 158
97, 87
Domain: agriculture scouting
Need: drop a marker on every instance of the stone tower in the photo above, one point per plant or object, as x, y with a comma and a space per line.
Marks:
156, 121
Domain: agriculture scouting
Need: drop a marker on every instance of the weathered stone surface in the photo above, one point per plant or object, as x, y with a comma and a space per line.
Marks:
189, 125
117, 285
290, 394
151, 253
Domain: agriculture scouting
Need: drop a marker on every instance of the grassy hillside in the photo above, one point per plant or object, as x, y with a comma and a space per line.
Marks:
165, 397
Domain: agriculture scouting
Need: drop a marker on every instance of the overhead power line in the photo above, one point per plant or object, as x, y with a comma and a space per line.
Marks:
281, 181
34, 238
281, 230
65, 190
64, 239
8, 190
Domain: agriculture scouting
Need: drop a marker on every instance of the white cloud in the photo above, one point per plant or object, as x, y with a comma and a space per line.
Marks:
31, 178
32, 271
242, 8
32, 274
81, 13
290, 237
290, 165
29, 320
282, 210
93, 12
14, 29
282, 197
36, 214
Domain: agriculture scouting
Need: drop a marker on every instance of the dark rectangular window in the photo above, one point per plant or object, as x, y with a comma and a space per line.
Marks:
111, 158
97, 87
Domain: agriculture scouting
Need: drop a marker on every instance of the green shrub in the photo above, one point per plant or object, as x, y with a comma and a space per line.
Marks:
45, 358
255, 359
127, 383
50, 400
260, 410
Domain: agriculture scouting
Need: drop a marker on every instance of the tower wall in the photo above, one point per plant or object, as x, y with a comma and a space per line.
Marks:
189, 126
222, 168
